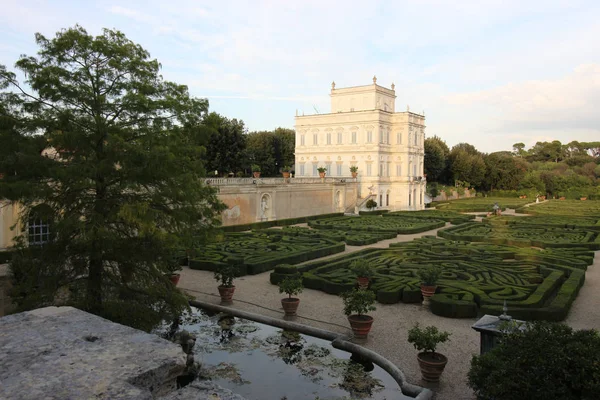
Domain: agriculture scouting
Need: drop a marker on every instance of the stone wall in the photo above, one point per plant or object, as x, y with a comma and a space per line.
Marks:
252, 200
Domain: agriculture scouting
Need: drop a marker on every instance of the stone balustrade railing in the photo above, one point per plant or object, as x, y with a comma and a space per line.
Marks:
276, 181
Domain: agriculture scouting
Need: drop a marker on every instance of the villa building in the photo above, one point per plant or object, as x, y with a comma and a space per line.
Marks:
364, 130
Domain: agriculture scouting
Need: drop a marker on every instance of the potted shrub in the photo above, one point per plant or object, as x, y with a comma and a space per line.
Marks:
425, 341
356, 304
583, 197
363, 271
225, 274
286, 171
371, 204
174, 272
291, 285
256, 170
322, 171
354, 171
429, 276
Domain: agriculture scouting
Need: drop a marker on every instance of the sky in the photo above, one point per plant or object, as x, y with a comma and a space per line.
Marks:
490, 73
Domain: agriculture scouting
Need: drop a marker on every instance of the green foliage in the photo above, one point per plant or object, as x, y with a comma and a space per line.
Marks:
371, 204
353, 168
454, 218
255, 168
477, 204
361, 268
286, 168
291, 285
435, 159
429, 275
358, 302
226, 144
428, 338
476, 277
122, 179
399, 224
321, 169
541, 361
224, 274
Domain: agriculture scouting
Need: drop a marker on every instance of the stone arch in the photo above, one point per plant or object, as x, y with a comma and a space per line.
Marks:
265, 207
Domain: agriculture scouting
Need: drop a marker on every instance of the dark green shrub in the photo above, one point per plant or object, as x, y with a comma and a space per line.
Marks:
361, 268
358, 302
428, 338
543, 361
429, 275
371, 204
291, 285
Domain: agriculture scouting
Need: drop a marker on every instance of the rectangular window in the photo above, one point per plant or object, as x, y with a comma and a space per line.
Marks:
39, 231
353, 137
387, 137
381, 169
301, 140
416, 139
339, 169
387, 169
415, 170
339, 138
399, 138
369, 137
315, 139
315, 172
329, 138
398, 170
301, 169
368, 169
380, 136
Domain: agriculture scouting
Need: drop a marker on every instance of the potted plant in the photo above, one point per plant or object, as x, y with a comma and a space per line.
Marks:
356, 304
286, 171
322, 171
225, 274
174, 272
429, 276
354, 171
256, 170
425, 341
291, 285
363, 271
371, 204
583, 197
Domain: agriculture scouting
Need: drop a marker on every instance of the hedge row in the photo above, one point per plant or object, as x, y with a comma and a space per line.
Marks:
479, 204
476, 277
524, 235
261, 251
561, 221
454, 218
572, 208
400, 224
374, 212
352, 238
279, 222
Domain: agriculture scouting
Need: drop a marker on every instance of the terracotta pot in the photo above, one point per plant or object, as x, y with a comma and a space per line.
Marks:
354, 174
363, 283
286, 175
256, 174
361, 325
428, 291
322, 174
226, 294
290, 306
174, 278
432, 365
562, 198
583, 198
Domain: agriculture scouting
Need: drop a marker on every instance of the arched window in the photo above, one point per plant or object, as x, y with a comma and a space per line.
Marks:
38, 225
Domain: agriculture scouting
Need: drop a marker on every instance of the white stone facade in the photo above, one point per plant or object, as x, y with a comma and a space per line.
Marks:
364, 130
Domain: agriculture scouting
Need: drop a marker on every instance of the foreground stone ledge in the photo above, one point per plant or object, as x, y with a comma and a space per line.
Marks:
65, 353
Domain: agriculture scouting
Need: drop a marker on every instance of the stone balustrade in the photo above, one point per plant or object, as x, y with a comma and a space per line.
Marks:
276, 181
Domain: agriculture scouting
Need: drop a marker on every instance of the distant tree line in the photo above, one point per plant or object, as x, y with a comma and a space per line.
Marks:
231, 150
548, 168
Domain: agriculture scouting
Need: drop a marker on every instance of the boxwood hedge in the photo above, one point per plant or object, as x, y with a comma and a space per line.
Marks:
399, 224
454, 218
476, 278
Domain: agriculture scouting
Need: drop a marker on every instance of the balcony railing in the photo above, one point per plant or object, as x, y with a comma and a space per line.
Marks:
276, 181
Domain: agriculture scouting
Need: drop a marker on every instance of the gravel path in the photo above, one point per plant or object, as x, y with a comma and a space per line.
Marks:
392, 321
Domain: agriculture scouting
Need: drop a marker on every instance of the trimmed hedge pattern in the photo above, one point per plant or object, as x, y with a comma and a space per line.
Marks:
561, 221
480, 204
448, 216
524, 235
399, 224
352, 238
477, 277
574, 208
261, 251
279, 222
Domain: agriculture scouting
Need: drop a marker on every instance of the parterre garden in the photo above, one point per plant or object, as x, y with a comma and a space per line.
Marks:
480, 204
476, 277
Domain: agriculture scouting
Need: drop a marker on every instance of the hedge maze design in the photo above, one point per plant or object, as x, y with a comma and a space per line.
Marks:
454, 218
477, 277
575, 208
561, 221
398, 224
260, 251
480, 204
524, 235
352, 238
